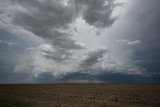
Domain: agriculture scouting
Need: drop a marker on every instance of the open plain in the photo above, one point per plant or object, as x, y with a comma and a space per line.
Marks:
79, 95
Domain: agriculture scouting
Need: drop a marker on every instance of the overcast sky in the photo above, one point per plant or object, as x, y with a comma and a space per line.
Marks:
50, 41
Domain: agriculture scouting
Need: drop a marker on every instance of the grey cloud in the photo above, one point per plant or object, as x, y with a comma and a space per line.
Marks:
128, 42
47, 19
8, 76
50, 19
57, 56
64, 41
143, 24
13, 56
61, 43
93, 58
134, 43
106, 77
98, 12
41, 17
44, 18
54, 54
45, 14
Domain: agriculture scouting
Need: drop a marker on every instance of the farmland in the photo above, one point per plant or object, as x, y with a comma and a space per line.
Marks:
79, 95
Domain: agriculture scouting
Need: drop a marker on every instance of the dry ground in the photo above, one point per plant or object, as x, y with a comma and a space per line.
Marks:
79, 95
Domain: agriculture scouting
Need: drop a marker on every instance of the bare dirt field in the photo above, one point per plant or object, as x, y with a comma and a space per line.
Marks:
79, 95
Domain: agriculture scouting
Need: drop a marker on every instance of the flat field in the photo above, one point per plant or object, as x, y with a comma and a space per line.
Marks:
79, 95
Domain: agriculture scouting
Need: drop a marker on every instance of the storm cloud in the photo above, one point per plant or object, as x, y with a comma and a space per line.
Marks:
56, 40
50, 19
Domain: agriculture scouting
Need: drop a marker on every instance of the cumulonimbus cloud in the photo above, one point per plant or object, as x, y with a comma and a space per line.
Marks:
51, 20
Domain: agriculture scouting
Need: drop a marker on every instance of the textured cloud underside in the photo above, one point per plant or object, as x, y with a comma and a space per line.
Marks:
52, 21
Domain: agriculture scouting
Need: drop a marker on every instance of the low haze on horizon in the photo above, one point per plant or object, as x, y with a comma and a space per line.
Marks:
79, 41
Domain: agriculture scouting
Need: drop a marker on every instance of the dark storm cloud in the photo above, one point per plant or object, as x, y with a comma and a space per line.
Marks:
12, 49
53, 14
143, 32
45, 19
93, 57
144, 26
98, 12
46, 78
49, 18
110, 78
45, 13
